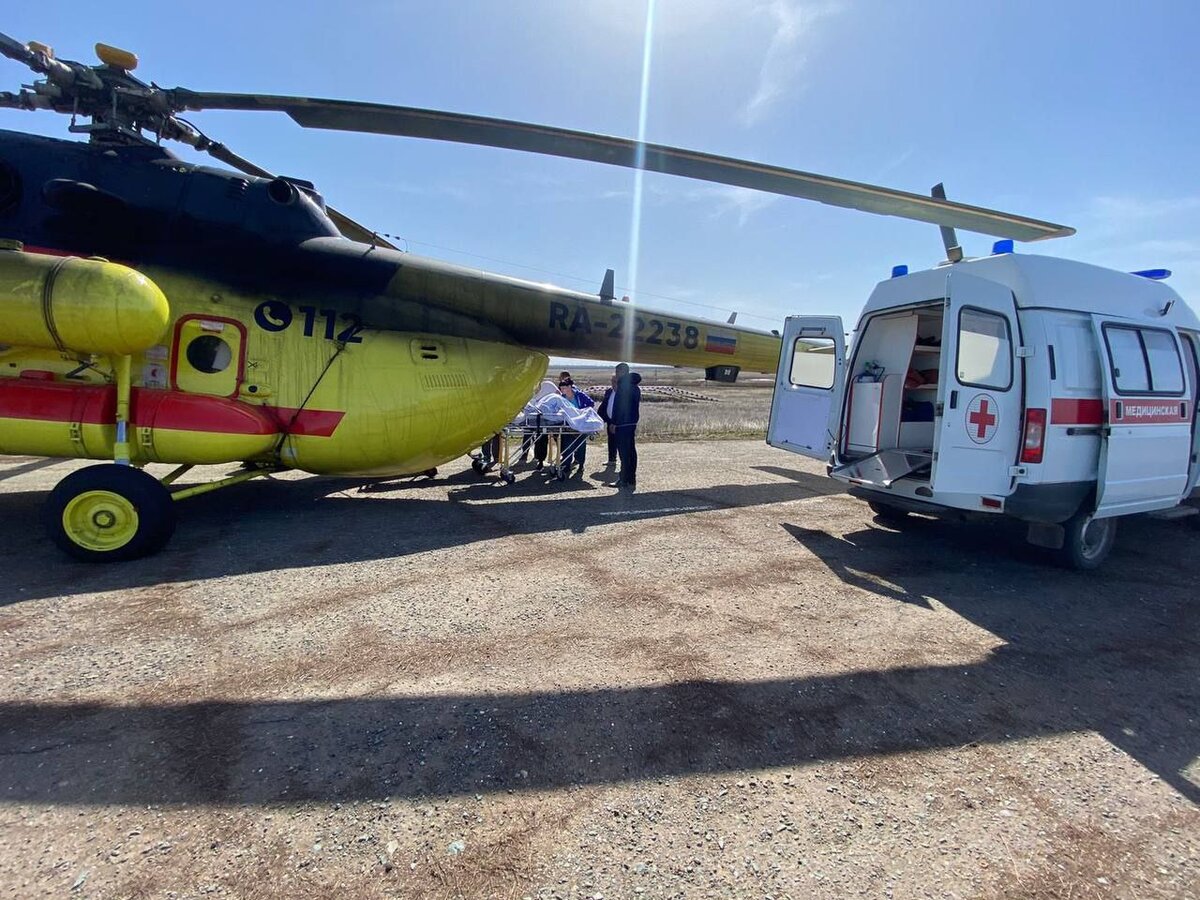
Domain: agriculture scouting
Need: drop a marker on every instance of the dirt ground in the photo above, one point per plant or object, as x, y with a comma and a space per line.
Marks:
732, 683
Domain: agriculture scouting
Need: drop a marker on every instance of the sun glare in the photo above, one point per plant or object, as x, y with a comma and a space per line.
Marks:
638, 174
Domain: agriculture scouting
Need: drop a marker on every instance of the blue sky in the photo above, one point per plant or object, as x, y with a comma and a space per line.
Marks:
1084, 113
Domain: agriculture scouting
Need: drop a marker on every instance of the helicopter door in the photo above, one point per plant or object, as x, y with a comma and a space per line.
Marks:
808, 387
208, 356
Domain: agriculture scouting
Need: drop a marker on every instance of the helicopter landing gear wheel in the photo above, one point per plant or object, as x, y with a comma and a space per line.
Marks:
110, 513
1087, 541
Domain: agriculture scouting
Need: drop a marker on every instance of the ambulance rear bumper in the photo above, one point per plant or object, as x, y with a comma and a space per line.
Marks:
1045, 503
908, 504
1048, 503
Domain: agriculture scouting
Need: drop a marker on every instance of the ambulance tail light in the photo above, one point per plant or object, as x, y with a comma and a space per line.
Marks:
1034, 443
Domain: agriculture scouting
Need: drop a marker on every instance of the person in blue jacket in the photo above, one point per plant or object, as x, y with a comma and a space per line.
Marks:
574, 445
626, 409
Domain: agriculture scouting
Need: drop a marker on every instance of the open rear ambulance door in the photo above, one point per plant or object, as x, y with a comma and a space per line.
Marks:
809, 386
1147, 446
978, 433
1191, 359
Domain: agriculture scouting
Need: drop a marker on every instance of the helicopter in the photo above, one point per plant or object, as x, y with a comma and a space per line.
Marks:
153, 310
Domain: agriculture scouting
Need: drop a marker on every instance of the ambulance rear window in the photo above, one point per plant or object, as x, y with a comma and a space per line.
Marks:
984, 350
813, 363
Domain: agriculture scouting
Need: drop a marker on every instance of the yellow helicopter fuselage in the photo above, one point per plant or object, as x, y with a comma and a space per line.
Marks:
210, 384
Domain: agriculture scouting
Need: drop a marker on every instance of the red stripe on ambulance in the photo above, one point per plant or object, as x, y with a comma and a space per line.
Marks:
1156, 411
1089, 411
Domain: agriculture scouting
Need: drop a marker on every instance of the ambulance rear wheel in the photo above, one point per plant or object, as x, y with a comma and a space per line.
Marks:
1087, 541
110, 513
888, 515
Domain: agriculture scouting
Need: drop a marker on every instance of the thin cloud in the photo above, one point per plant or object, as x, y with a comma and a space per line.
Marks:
1126, 232
740, 203
895, 162
454, 192
786, 54
723, 199
1132, 208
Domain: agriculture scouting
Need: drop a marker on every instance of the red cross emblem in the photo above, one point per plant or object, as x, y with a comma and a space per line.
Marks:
982, 415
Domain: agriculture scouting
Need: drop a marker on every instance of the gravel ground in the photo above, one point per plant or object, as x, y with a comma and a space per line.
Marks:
733, 683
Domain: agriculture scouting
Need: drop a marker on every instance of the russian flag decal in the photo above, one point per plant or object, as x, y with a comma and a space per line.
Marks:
715, 342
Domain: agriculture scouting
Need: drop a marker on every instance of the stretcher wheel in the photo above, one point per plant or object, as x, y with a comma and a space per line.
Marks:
477, 465
110, 513
507, 477
560, 472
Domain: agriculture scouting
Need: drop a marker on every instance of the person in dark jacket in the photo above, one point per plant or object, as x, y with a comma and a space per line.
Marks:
626, 408
605, 411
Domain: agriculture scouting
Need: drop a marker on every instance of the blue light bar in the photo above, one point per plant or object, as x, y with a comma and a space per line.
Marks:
1154, 274
897, 271
1005, 246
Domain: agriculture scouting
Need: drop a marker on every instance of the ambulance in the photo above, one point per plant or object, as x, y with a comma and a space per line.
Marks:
1055, 392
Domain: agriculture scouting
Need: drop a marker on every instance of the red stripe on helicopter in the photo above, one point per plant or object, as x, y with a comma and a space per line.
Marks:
48, 251
171, 410
306, 422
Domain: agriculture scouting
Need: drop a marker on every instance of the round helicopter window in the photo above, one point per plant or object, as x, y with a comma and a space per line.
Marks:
209, 353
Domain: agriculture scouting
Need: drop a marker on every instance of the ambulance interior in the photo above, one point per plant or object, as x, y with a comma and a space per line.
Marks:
888, 425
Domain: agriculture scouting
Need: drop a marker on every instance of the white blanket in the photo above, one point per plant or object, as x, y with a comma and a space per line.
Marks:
552, 408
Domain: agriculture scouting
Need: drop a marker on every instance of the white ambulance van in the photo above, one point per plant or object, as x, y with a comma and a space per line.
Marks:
1056, 392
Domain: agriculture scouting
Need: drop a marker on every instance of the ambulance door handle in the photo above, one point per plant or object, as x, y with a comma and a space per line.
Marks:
954, 399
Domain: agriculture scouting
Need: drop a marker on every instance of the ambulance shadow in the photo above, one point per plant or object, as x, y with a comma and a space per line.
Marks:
1115, 651
884, 560
275, 524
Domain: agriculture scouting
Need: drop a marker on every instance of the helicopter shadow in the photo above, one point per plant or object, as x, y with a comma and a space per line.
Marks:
1081, 655
1117, 655
26, 467
273, 524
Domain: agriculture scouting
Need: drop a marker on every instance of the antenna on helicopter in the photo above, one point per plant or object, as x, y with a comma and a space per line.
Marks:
954, 251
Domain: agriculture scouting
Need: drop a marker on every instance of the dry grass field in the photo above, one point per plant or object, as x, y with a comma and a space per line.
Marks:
738, 410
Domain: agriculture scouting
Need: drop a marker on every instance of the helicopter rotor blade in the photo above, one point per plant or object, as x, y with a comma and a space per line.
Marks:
14, 49
379, 118
41, 60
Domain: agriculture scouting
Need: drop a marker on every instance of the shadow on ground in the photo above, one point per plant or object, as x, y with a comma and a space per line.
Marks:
267, 525
1115, 654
